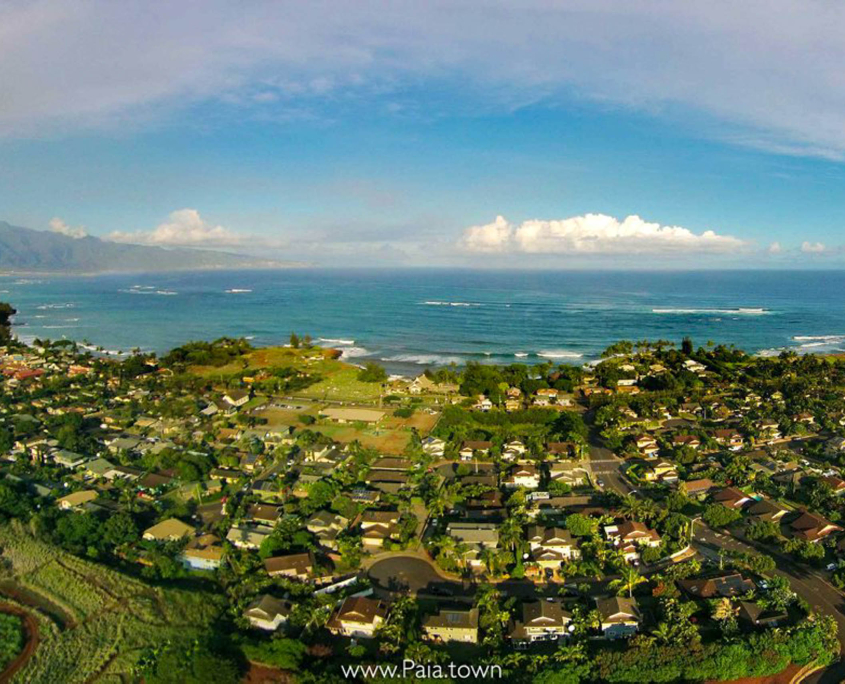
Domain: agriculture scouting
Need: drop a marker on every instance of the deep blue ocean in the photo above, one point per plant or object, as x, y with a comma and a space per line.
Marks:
409, 319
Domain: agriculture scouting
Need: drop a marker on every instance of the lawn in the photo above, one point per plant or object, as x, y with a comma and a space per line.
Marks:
111, 618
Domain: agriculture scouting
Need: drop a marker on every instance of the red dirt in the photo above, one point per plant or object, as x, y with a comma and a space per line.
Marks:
262, 674
30, 627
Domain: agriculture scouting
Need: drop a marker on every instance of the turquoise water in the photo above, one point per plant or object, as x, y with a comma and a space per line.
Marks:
409, 319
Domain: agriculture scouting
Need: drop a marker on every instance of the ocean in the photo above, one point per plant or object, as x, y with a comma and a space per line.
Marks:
413, 318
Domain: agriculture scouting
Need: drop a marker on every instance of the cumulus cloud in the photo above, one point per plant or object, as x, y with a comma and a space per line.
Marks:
58, 226
120, 60
812, 247
775, 248
593, 234
184, 228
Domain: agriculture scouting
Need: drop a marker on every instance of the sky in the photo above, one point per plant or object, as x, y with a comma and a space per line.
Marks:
527, 133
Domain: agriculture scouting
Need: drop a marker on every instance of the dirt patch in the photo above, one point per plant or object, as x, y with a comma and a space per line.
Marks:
262, 674
30, 628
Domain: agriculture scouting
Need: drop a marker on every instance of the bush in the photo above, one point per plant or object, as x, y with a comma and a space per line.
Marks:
717, 515
372, 372
404, 412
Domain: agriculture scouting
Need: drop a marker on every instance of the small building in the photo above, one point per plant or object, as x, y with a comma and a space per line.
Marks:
298, 566
450, 625
171, 529
544, 620
358, 617
203, 553
268, 613
76, 499
620, 617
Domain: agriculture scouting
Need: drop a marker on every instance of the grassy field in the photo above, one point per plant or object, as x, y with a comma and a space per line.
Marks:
339, 381
107, 619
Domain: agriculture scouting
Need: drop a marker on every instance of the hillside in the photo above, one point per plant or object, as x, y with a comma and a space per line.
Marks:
23, 250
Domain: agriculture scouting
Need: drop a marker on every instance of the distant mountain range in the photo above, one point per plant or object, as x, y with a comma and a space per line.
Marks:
23, 250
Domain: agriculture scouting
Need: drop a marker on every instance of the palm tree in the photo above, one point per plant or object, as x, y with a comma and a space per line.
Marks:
629, 579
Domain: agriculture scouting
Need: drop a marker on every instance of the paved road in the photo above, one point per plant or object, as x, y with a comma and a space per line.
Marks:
607, 467
809, 584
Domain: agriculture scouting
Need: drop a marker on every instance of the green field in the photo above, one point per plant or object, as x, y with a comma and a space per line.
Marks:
94, 622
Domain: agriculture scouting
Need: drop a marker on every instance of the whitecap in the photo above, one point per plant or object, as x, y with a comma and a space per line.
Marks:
332, 340
425, 359
236, 290
352, 352
559, 354
744, 311
166, 292
438, 303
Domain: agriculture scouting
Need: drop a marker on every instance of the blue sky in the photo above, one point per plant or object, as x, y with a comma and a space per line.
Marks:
336, 133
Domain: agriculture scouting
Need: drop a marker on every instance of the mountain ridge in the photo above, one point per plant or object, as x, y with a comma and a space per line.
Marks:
28, 251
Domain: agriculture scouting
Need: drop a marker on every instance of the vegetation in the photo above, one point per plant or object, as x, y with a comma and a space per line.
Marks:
11, 638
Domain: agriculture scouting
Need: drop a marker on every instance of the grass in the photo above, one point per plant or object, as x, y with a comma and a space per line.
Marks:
110, 618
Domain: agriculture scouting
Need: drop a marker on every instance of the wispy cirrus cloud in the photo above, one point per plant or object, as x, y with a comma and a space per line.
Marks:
747, 70
594, 234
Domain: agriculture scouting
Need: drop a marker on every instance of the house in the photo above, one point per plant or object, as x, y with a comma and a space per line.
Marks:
353, 415
203, 553
729, 438
452, 625
483, 403
171, 529
358, 617
298, 566
523, 476
377, 526
471, 448
69, 459
76, 499
646, 444
812, 528
552, 539
236, 398
264, 514
268, 613
563, 449
620, 617
837, 484
727, 586
566, 472
326, 526
731, 497
698, 489
629, 536
690, 441
753, 614
544, 620
476, 536
247, 536
766, 510
434, 447
664, 471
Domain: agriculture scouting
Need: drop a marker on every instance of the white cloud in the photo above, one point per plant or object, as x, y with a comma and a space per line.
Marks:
775, 248
812, 247
58, 226
755, 65
185, 228
594, 234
